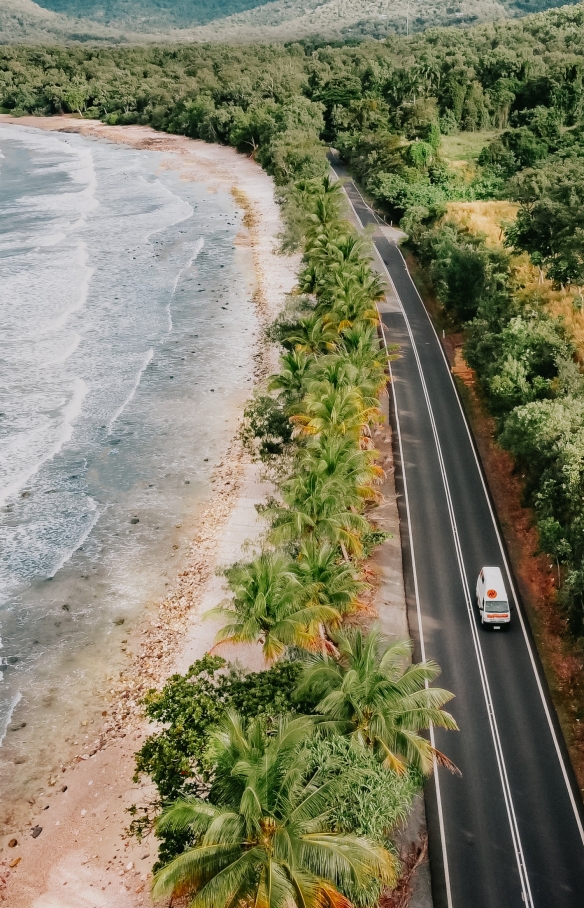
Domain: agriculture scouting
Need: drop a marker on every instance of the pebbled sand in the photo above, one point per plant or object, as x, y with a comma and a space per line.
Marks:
83, 858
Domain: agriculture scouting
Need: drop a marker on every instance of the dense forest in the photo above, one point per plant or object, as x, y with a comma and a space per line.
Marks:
456, 79
391, 107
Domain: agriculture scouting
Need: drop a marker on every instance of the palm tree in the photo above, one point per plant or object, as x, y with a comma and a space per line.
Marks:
360, 344
310, 189
367, 694
317, 507
351, 248
310, 277
325, 579
323, 200
330, 250
269, 606
369, 281
345, 302
267, 841
340, 370
340, 458
326, 409
324, 214
294, 366
311, 335
323, 240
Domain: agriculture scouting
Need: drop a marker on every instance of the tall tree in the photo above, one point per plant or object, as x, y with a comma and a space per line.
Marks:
369, 693
550, 222
267, 840
270, 606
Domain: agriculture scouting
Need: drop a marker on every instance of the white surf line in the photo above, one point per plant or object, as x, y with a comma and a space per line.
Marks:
510, 579
70, 412
120, 410
196, 249
13, 704
526, 890
441, 823
67, 557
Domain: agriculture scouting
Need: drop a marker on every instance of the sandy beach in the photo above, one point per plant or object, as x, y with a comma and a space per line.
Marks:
72, 851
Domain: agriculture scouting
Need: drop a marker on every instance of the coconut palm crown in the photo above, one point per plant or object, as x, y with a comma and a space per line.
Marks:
269, 605
265, 842
321, 508
368, 694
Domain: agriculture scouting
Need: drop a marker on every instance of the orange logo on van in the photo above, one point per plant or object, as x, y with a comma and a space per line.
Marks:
491, 594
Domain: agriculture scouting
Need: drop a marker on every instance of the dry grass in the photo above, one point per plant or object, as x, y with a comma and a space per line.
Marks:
489, 219
486, 218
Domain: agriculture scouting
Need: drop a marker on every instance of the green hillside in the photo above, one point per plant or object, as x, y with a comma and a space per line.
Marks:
151, 13
22, 21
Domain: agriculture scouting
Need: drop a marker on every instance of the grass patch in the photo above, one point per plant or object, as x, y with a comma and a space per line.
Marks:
483, 218
466, 146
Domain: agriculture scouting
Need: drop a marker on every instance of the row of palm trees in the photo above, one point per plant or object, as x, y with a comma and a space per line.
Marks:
331, 374
263, 836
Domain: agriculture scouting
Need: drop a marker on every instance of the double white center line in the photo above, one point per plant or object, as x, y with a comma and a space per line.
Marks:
514, 828
510, 808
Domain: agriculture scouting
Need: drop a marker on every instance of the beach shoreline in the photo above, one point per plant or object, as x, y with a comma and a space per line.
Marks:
83, 856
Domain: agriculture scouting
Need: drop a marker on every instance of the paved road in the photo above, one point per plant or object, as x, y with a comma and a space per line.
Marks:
508, 833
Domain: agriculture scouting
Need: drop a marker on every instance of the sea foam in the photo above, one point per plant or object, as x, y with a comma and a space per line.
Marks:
7, 718
69, 413
147, 360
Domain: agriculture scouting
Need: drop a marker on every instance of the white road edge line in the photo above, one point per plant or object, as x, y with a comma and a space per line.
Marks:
512, 818
509, 577
500, 541
418, 606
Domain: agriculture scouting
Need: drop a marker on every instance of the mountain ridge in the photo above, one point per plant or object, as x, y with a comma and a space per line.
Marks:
155, 21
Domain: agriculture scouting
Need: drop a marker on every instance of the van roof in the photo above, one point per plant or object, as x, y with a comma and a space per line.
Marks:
494, 581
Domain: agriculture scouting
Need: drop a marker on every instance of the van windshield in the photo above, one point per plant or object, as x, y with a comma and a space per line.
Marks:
498, 605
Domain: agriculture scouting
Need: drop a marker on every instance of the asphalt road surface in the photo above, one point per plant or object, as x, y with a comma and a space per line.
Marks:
509, 832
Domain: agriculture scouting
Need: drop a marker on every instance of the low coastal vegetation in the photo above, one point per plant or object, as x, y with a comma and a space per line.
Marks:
285, 786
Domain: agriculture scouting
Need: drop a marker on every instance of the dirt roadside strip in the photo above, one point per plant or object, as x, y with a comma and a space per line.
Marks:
414, 889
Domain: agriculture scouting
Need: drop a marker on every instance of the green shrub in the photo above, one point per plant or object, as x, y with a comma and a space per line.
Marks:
190, 705
266, 431
465, 273
373, 801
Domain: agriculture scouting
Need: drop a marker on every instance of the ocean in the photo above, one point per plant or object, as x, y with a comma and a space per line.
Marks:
126, 344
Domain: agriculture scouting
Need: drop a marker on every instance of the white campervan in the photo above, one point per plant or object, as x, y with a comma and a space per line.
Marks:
492, 598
